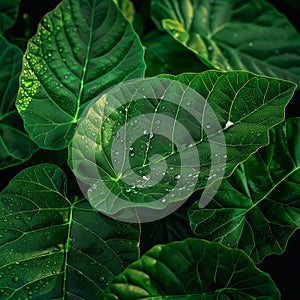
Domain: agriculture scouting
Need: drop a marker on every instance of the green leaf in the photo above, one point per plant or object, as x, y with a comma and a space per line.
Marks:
55, 248
8, 14
258, 208
81, 48
192, 269
15, 145
249, 35
162, 53
152, 142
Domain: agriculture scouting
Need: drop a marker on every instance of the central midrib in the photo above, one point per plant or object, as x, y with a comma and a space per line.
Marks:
84, 69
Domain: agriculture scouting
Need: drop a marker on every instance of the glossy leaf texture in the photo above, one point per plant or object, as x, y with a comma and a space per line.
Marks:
8, 14
258, 208
15, 145
235, 34
199, 140
81, 48
55, 248
192, 269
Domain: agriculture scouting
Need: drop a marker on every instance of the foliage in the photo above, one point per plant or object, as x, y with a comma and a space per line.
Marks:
210, 124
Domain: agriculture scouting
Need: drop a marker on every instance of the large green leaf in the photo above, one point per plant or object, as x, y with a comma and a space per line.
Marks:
258, 207
80, 49
234, 34
192, 269
15, 145
8, 14
55, 248
152, 142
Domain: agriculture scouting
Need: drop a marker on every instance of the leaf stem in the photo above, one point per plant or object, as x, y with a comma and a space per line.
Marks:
68, 243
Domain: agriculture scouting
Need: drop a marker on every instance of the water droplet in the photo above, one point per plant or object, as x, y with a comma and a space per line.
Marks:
208, 126
145, 132
228, 124
177, 176
151, 134
163, 200
101, 279
157, 122
210, 48
250, 44
15, 279
146, 177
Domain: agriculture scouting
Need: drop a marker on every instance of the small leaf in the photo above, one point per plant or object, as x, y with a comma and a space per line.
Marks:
127, 8
81, 48
15, 145
52, 247
258, 208
8, 14
192, 269
150, 143
248, 35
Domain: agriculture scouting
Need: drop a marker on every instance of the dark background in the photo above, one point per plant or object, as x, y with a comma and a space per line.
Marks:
284, 269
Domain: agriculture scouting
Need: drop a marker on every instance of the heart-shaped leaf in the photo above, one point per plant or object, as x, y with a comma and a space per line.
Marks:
8, 14
15, 146
81, 48
258, 207
150, 143
55, 248
192, 269
248, 35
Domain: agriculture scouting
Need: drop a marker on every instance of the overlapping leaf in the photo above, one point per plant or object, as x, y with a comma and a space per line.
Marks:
192, 269
258, 207
15, 146
55, 248
240, 105
235, 34
8, 14
80, 49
